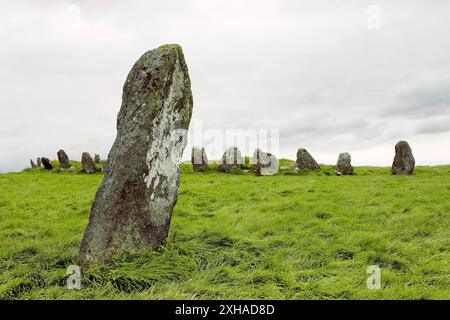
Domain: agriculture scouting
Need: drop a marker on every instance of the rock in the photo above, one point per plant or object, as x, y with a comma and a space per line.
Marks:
231, 160
39, 163
133, 206
199, 159
87, 163
63, 159
46, 163
344, 164
404, 161
264, 164
33, 165
305, 161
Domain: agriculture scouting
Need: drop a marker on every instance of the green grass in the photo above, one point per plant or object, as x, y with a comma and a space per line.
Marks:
307, 235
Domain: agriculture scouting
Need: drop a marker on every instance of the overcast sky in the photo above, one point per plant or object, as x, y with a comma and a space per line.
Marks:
322, 72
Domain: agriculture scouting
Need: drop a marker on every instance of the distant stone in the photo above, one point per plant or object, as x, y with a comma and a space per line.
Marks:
63, 159
46, 163
344, 164
39, 163
87, 163
33, 165
264, 164
133, 206
199, 159
404, 161
305, 161
230, 160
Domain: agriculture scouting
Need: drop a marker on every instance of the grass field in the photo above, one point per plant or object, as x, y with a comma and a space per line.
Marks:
291, 236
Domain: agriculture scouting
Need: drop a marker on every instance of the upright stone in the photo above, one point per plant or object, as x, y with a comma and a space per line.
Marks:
133, 206
404, 161
39, 162
305, 161
46, 163
87, 163
63, 159
264, 164
231, 160
199, 159
344, 164
33, 165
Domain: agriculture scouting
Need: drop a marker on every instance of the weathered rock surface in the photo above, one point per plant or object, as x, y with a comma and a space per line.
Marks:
133, 205
344, 164
63, 159
46, 163
33, 165
305, 161
404, 161
199, 159
264, 164
231, 160
87, 163
39, 162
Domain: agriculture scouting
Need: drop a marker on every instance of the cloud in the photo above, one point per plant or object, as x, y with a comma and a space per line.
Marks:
310, 69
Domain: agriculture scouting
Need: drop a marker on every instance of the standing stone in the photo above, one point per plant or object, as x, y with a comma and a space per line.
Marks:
305, 161
63, 159
404, 161
133, 206
46, 163
199, 159
344, 164
39, 162
33, 165
87, 163
264, 164
231, 160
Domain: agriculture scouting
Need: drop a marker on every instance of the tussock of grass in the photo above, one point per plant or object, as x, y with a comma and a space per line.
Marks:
298, 235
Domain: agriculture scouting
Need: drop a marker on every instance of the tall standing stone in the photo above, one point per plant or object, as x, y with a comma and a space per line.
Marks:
344, 164
199, 159
63, 159
264, 164
305, 161
87, 163
33, 165
404, 161
133, 205
39, 162
230, 160
46, 163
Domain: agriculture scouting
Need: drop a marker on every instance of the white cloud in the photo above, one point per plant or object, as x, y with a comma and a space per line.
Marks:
311, 69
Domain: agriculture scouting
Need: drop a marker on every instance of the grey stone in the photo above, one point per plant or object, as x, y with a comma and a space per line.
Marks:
344, 164
199, 159
264, 164
230, 160
39, 162
305, 161
63, 159
133, 206
46, 163
87, 163
404, 161
33, 165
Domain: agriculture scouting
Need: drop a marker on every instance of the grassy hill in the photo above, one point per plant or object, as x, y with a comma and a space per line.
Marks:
291, 236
